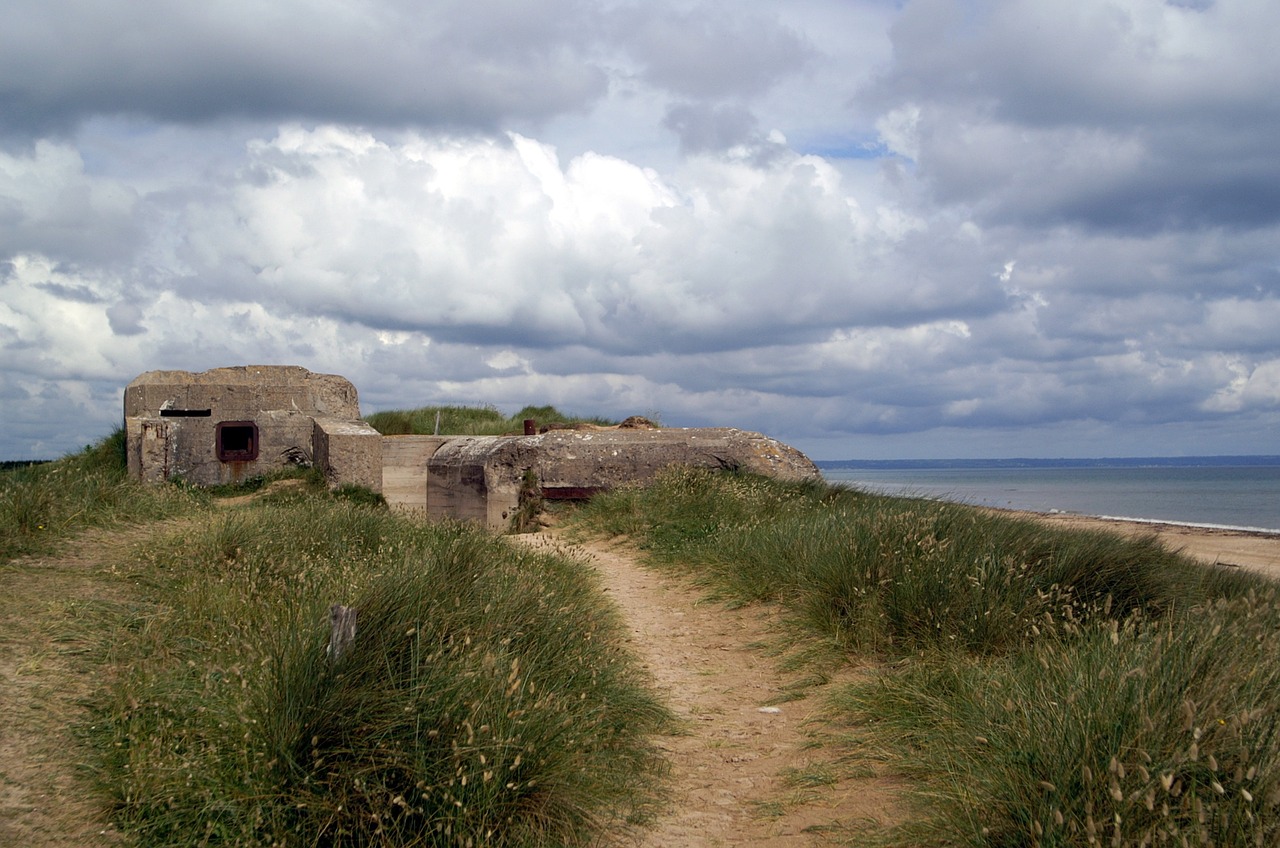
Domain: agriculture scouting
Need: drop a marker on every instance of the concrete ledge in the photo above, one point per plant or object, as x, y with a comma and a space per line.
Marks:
348, 452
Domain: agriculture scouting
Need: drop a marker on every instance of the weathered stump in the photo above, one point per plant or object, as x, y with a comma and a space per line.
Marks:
342, 629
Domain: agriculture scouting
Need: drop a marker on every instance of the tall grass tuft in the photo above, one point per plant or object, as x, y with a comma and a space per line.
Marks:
485, 699
41, 505
1132, 734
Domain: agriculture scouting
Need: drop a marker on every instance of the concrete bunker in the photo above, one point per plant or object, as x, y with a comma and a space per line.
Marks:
228, 424
480, 478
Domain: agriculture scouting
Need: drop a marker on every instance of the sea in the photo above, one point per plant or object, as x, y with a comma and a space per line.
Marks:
1216, 495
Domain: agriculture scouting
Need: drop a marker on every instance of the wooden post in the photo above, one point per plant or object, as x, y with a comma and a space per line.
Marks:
342, 629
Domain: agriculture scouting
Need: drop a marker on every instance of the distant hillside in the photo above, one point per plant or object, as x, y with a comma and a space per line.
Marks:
1024, 462
10, 464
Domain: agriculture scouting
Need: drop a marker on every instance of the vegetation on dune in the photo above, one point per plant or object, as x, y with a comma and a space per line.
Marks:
41, 505
1039, 686
1047, 686
1134, 733
485, 699
469, 420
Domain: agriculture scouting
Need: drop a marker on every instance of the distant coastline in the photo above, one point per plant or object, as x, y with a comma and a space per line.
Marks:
1249, 461
1218, 492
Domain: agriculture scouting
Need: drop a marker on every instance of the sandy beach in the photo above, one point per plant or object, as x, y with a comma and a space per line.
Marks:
1255, 551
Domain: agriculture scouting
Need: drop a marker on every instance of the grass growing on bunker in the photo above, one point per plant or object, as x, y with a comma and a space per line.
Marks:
1041, 686
485, 699
468, 420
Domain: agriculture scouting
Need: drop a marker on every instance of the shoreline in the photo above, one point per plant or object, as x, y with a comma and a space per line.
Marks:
1255, 549
1193, 525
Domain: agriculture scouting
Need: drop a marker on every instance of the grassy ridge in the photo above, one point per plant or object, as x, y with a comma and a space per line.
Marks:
1049, 687
467, 420
485, 698
1135, 735
41, 505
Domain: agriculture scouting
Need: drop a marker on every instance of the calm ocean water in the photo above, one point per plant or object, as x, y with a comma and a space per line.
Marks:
1244, 497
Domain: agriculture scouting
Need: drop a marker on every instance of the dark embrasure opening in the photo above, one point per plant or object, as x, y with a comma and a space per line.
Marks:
237, 441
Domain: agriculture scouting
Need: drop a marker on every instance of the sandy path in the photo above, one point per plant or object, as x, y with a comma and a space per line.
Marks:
45, 799
739, 769
730, 772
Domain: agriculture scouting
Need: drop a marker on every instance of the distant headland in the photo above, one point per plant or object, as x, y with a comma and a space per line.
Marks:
1251, 461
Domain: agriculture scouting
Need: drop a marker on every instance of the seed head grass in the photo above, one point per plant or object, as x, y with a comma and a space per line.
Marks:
485, 699
41, 506
1041, 686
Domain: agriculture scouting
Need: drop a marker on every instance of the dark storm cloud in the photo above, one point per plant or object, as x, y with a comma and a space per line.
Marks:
459, 65
1112, 115
711, 51
382, 63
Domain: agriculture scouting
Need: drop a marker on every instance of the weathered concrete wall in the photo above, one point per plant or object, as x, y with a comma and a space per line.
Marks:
348, 452
404, 470
149, 448
272, 416
190, 451
608, 458
479, 478
460, 484
172, 420
242, 391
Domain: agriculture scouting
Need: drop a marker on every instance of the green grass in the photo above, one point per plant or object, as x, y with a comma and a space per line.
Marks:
468, 420
42, 505
1041, 686
1145, 733
1038, 686
486, 698
899, 575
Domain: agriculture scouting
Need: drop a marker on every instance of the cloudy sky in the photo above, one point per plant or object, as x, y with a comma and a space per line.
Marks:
872, 228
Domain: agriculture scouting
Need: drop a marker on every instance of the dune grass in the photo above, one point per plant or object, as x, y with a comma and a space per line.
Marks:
42, 505
1042, 686
468, 420
1141, 733
485, 699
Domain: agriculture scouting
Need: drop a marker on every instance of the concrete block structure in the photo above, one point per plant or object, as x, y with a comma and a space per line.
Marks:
228, 424
480, 478
405, 461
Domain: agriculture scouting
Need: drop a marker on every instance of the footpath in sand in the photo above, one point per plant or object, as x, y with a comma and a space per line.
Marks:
734, 771
744, 769
45, 799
